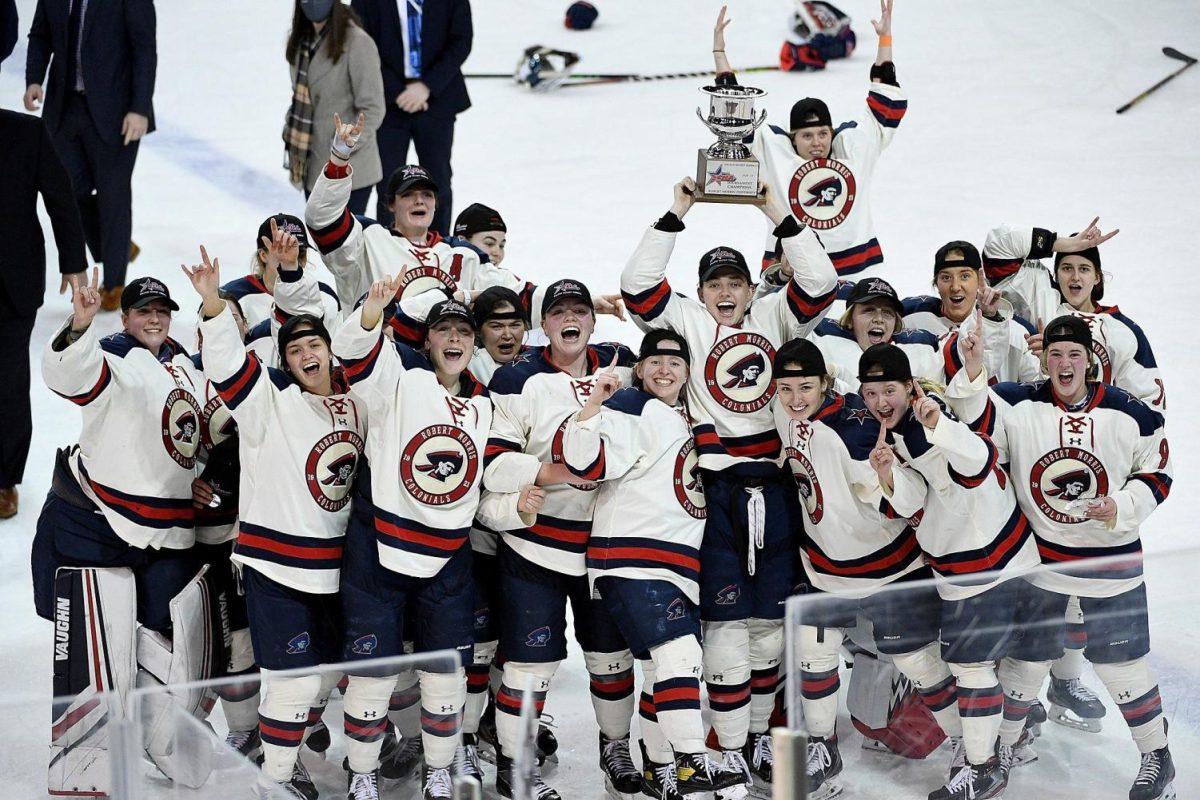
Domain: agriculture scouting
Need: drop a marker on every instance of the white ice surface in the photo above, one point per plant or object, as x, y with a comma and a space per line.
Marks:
1010, 119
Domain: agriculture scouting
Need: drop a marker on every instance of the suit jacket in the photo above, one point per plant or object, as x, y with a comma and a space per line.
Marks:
31, 166
446, 36
351, 85
118, 57
8, 28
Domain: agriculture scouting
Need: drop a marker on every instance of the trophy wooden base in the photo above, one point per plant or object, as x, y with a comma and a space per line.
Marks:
727, 180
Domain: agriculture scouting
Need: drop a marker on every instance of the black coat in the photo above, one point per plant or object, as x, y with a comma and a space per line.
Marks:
31, 166
8, 28
119, 60
446, 36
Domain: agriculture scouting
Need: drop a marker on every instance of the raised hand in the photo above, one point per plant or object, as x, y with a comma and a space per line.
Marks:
85, 302
531, 499
971, 345
73, 280
1034, 340
720, 60
925, 408
989, 299
205, 276
883, 25
378, 296
684, 197
882, 458
610, 304
283, 249
345, 135
1090, 236
774, 206
606, 385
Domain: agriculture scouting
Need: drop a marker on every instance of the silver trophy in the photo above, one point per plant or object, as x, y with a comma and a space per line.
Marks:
726, 172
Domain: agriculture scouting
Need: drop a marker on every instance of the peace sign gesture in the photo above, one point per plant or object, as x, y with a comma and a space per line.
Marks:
345, 136
85, 302
882, 458
925, 408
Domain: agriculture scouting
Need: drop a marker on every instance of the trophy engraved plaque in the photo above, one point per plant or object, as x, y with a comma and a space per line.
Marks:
726, 172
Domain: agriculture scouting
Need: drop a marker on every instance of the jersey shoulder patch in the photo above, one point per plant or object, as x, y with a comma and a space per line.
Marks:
629, 401
922, 303
1117, 399
854, 425
605, 350
510, 378
280, 378
828, 327
916, 336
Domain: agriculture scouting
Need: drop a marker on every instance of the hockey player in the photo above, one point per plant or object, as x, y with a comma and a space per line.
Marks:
113, 538
976, 539
644, 554
429, 426
300, 436
1090, 463
960, 283
484, 229
825, 174
501, 323
748, 556
541, 566
859, 513
254, 292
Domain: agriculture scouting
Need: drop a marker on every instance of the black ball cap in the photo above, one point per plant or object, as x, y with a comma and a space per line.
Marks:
1068, 328
409, 177
491, 298
478, 218
969, 258
298, 327
723, 258
144, 291
808, 113
664, 342
580, 15
799, 358
883, 362
566, 289
286, 223
449, 309
870, 289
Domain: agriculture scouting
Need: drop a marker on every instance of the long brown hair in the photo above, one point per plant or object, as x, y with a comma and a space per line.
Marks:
340, 18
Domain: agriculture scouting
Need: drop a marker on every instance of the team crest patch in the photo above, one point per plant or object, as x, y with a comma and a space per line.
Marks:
424, 278
440, 465
1062, 478
299, 644
807, 485
556, 449
729, 595
539, 637
181, 427
689, 488
822, 192
218, 424
365, 645
329, 470
738, 372
676, 609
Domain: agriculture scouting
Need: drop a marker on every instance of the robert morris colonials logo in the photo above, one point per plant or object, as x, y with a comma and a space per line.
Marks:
422, 279
217, 423
329, 469
181, 427
807, 485
1064, 476
822, 192
738, 372
689, 489
439, 465
556, 444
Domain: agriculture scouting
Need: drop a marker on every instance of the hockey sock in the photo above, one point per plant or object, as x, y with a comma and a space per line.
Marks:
239, 701
1022, 681
366, 715
612, 691
443, 695
496, 672
819, 680
727, 676
1070, 666
329, 682
677, 693
657, 746
766, 651
980, 703
1135, 690
519, 677
935, 685
282, 718
404, 707
477, 685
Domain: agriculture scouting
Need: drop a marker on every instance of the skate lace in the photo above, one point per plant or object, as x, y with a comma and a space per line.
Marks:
438, 784
958, 754
541, 789
666, 776
363, 786
1077, 690
819, 758
616, 757
466, 760
1150, 768
735, 763
763, 754
236, 740
963, 779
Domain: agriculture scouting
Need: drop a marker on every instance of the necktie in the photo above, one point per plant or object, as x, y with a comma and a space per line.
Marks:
74, 22
414, 35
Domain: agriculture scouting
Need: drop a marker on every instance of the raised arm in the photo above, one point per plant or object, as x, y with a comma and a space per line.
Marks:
644, 287
372, 364
812, 279
73, 365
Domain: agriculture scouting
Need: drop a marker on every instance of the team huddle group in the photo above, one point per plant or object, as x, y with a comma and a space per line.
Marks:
390, 465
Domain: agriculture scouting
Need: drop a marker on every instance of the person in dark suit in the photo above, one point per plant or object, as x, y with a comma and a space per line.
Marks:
8, 28
422, 86
30, 167
98, 107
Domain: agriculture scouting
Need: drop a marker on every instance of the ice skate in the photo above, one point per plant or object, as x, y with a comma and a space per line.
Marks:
399, 757
504, 781
1074, 705
1156, 777
761, 759
658, 780
1019, 754
732, 761
486, 742
824, 763
247, 744
1035, 718
300, 785
466, 760
437, 784
362, 785
697, 772
546, 742
958, 757
621, 778
974, 782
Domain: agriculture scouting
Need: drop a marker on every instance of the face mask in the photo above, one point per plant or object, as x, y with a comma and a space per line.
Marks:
316, 10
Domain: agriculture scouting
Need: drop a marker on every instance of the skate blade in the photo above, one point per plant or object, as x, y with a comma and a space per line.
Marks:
875, 746
759, 789
1022, 758
1062, 716
828, 791
1168, 792
612, 792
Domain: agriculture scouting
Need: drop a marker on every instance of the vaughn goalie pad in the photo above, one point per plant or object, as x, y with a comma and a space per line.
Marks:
94, 668
885, 708
171, 717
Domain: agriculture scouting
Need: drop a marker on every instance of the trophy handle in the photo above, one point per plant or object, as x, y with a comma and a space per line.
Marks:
712, 129
761, 119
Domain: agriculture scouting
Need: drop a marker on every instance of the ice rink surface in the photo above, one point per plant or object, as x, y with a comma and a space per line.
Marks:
1010, 119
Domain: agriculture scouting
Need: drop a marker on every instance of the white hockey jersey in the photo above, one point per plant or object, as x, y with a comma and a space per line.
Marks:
258, 304
842, 352
972, 523
650, 508
1007, 356
730, 384
141, 432
1113, 445
299, 453
425, 446
855, 538
833, 195
1010, 259
534, 399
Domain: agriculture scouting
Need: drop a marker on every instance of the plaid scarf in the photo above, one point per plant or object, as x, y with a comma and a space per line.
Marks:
297, 129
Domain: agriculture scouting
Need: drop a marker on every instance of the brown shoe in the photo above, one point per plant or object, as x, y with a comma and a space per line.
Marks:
110, 299
8, 503
134, 251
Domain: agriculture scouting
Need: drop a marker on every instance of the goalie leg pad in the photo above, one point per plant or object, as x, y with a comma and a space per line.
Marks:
94, 668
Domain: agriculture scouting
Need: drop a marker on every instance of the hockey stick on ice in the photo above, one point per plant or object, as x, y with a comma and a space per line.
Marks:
592, 80
1170, 52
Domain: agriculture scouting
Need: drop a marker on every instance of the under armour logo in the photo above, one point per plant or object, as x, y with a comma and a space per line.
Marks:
370, 714
447, 709
1125, 695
